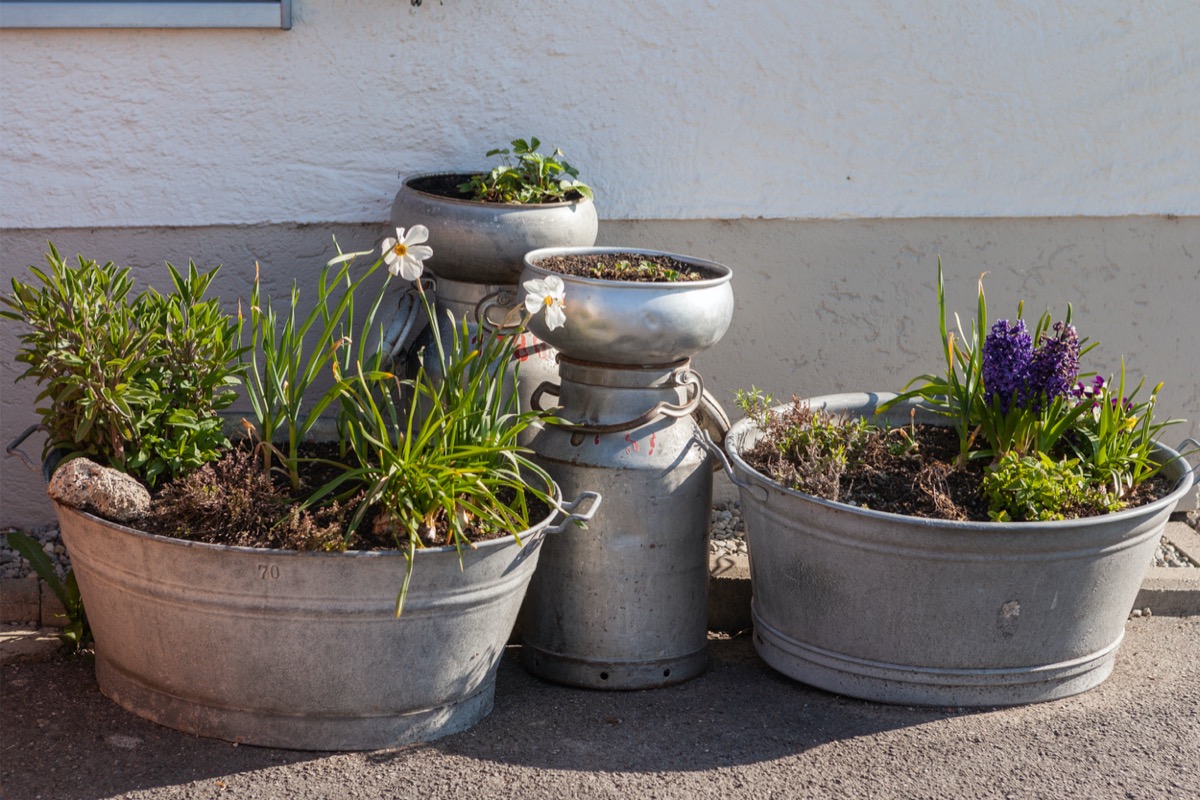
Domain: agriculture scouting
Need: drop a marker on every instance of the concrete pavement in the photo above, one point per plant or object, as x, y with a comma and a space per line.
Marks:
739, 730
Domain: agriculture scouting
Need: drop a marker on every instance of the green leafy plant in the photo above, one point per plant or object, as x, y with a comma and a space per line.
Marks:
990, 405
624, 270
435, 459
1039, 488
134, 382
755, 404
529, 178
76, 634
1033, 441
290, 354
191, 375
811, 447
1114, 435
1013, 398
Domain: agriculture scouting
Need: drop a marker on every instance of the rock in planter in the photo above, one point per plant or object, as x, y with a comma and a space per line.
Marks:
82, 483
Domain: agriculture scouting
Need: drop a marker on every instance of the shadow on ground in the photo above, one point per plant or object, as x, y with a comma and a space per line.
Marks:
63, 738
739, 711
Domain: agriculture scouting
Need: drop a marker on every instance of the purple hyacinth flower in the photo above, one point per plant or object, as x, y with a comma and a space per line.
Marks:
1055, 364
1007, 355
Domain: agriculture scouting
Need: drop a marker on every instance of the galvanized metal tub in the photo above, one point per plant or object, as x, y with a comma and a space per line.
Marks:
930, 612
298, 650
483, 242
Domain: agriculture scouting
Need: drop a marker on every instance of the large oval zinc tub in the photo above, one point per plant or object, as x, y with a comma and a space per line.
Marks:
298, 650
932, 612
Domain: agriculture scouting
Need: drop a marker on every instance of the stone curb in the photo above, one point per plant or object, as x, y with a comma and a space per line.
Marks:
1174, 591
29, 601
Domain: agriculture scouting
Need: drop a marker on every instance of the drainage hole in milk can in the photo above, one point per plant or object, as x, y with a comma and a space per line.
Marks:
666, 673
603, 676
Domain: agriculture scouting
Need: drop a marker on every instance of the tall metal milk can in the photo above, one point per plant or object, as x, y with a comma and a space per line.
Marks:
623, 604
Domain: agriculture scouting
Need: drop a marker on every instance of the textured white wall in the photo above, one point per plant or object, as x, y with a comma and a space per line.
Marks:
675, 109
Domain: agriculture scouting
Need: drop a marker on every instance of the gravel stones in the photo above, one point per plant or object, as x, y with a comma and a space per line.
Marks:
12, 565
728, 532
1167, 555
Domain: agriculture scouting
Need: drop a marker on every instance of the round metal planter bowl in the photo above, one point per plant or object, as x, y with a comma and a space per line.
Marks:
299, 650
481, 242
930, 612
631, 323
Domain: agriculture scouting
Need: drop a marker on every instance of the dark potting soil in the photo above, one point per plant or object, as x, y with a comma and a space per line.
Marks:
443, 185
635, 267
446, 185
923, 482
234, 501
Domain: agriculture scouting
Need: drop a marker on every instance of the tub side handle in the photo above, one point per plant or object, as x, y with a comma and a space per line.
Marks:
577, 518
14, 447
1183, 454
758, 492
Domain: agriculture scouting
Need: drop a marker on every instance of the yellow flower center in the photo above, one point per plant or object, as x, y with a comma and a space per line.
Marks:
400, 249
548, 301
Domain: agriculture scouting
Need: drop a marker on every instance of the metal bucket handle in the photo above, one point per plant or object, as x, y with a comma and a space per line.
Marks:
1193, 471
684, 376
573, 518
14, 447
399, 334
758, 492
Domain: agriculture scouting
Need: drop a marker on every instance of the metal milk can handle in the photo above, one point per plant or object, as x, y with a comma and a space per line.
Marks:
409, 321
684, 376
535, 399
758, 492
580, 518
502, 298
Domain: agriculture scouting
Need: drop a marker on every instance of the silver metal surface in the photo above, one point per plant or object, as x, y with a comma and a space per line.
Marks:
711, 418
684, 377
622, 605
624, 322
933, 612
299, 650
486, 242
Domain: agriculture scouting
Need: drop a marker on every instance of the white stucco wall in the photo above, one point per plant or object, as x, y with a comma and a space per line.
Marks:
674, 109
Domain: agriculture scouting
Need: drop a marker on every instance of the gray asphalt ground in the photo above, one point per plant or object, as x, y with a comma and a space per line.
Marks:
740, 730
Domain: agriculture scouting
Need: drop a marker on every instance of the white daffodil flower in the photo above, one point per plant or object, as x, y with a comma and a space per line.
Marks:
404, 254
548, 293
